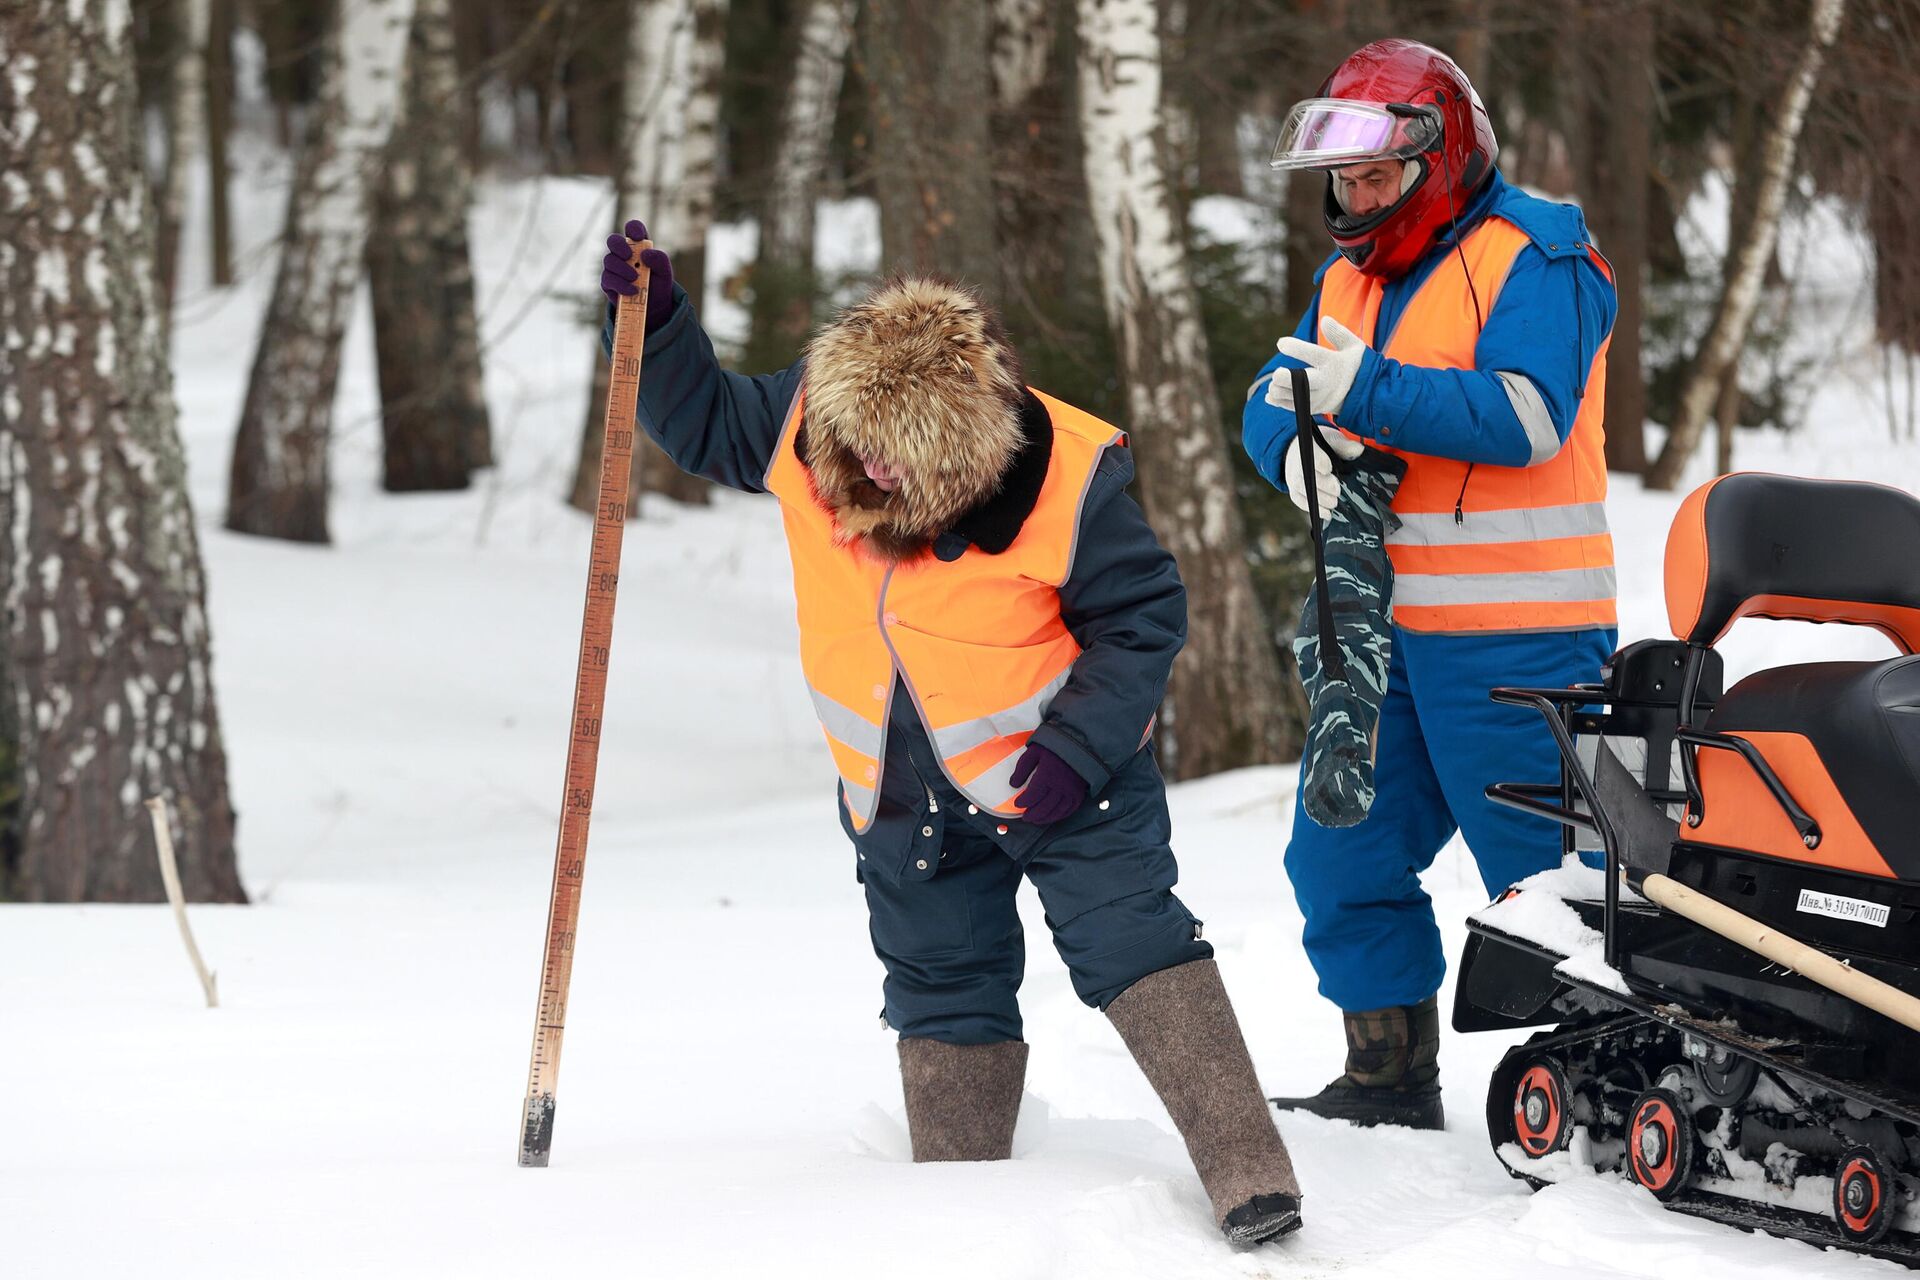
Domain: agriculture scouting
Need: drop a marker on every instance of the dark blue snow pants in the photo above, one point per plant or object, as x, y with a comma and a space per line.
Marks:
941, 881
1370, 931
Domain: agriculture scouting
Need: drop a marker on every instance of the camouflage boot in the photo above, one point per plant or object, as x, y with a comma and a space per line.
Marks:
1393, 1070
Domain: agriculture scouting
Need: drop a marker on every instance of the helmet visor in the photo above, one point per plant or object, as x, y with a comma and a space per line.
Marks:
1327, 133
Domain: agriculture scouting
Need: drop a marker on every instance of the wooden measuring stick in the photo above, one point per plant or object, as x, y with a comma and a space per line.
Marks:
589, 698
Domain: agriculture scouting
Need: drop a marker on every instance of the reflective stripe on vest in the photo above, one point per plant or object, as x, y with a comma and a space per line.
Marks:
978, 640
1487, 548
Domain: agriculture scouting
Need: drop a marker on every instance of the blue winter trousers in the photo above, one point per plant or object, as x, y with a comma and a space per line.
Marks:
1370, 931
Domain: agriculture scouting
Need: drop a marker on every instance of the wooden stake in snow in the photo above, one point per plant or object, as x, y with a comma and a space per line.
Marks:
170, 873
589, 698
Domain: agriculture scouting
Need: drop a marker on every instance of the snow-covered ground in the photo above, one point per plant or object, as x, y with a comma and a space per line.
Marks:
396, 712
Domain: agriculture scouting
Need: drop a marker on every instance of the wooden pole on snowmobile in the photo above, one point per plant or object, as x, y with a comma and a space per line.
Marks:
1809, 962
589, 698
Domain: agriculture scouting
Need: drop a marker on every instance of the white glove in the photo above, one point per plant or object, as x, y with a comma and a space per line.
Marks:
1324, 481
1330, 369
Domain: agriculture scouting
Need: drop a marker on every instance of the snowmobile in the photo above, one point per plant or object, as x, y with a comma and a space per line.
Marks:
1731, 999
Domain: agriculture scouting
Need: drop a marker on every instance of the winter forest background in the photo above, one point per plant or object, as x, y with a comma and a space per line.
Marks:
299, 411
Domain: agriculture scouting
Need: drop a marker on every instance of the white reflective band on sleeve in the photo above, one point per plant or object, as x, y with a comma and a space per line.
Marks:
1513, 524
847, 725
1545, 586
1024, 717
1531, 408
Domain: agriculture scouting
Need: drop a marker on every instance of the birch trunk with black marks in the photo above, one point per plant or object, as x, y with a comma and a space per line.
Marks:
783, 275
1225, 700
104, 653
278, 485
433, 408
186, 127
1747, 259
669, 139
926, 66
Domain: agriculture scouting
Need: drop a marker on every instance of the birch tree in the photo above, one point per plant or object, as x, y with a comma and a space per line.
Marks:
278, 485
926, 67
104, 656
1224, 700
783, 276
1747, 260
676, 50
186, 127
433, 408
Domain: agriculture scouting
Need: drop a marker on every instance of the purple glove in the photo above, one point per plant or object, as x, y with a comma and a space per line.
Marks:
617, 274
1056, 790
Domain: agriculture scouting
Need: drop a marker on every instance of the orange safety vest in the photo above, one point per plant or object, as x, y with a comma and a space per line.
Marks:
978, 640
1484, 548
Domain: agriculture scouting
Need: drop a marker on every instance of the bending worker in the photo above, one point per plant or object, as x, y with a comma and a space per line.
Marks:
986, 627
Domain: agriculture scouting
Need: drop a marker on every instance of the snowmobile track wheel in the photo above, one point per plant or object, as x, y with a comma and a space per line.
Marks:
1661, 1143
1542, 1110
1728, 1079
1863, 1196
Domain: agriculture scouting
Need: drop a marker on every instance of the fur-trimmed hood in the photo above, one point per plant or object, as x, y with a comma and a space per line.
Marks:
919, 376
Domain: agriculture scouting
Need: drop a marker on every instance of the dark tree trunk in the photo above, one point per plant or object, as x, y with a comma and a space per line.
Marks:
278, 484
1039, 184
420, 272
1322, 41
219, 124
1619, 55
1893, 220
926, 66
590, 80
104, 650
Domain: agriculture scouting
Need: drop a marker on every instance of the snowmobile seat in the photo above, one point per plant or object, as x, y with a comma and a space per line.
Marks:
1842, 739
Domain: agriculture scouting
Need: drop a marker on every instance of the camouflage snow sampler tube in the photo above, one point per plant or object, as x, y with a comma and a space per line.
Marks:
1345, 640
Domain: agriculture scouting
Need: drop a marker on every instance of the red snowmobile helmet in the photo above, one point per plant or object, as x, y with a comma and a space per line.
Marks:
1394, 100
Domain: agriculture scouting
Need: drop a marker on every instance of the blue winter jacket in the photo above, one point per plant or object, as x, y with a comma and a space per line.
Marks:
1553, 312
1123, 600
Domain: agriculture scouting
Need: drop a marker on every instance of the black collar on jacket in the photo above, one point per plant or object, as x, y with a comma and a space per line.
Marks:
994, 524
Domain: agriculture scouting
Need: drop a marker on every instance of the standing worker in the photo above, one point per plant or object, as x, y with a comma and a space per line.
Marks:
1463, 327
986, 627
